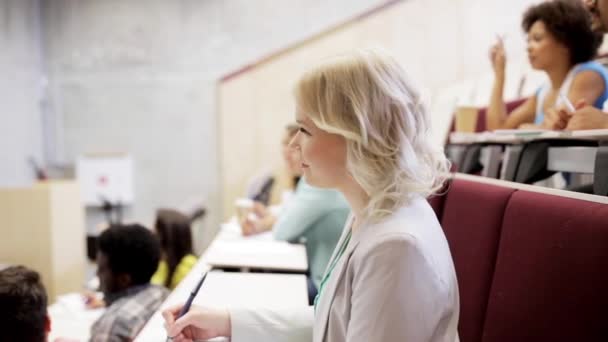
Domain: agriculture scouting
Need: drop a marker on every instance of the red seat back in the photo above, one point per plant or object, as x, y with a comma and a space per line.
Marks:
472, 220
551, 276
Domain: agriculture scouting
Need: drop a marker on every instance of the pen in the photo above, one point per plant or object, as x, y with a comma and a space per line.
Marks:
567, 103
192, 295
188, 304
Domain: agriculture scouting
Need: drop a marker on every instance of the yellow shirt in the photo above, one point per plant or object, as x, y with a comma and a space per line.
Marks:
181, 271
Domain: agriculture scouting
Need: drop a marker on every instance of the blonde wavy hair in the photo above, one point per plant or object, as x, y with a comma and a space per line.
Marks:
367, 98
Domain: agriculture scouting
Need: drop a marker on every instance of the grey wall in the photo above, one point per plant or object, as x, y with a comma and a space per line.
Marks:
139, 76
21, 91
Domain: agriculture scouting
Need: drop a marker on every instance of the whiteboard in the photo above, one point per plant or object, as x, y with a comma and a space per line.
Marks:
107, 177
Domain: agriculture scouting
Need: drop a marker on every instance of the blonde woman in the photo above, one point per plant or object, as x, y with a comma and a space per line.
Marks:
364, 132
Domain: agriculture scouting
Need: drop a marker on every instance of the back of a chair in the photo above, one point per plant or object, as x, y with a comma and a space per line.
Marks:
551, 276
472, 221
483, 113
437, 201
481, 125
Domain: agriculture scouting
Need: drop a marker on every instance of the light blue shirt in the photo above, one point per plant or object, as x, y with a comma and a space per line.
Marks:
592, 66
318, 216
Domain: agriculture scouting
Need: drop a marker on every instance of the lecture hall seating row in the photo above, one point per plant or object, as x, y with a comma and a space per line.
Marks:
532, 263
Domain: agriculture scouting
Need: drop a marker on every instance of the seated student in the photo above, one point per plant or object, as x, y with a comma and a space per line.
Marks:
313, 214
364, 131
23, 303
273, 189
175, 236
290, 179
561, 43
586, 116
127, 257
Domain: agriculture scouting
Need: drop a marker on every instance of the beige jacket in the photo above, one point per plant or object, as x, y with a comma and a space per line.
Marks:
395, 282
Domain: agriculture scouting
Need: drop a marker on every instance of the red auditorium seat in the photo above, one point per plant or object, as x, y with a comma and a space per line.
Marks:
551, 276
531, 266
472, 220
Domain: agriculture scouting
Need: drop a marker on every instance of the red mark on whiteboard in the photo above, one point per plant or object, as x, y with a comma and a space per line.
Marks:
103, 180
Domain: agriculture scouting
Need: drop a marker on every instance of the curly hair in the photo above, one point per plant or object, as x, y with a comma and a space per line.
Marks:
367, 98
131, 249
570, 23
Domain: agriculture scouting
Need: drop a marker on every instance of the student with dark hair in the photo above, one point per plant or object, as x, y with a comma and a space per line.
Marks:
561, 43
586, 115
23, 302
127, 257
177, 258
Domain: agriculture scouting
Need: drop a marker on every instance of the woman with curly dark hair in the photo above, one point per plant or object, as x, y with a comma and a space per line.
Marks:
561, 43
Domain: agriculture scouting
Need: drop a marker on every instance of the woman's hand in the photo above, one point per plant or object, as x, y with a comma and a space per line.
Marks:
556, 119
250, 227
197, 324
498, 57
260, 210
587, 117
263, 221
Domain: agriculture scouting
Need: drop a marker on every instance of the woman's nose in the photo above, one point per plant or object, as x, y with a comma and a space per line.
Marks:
295, 141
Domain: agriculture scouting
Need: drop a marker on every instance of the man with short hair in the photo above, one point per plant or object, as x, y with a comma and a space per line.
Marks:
23, 303
127, 257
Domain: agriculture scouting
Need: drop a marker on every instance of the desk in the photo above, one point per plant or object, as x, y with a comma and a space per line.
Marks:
258, 254
571, 159
232, 231
474, 152
231, 249
70, 319
512, 137
226, 289
528, 156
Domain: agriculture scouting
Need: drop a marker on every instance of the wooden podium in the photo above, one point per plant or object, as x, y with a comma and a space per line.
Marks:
42, 227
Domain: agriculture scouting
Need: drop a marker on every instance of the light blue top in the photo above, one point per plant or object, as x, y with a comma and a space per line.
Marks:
317, 215
592, 66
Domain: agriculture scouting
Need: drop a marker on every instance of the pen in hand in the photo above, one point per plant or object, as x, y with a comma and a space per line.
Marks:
567, 103
191, 297
188, 303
